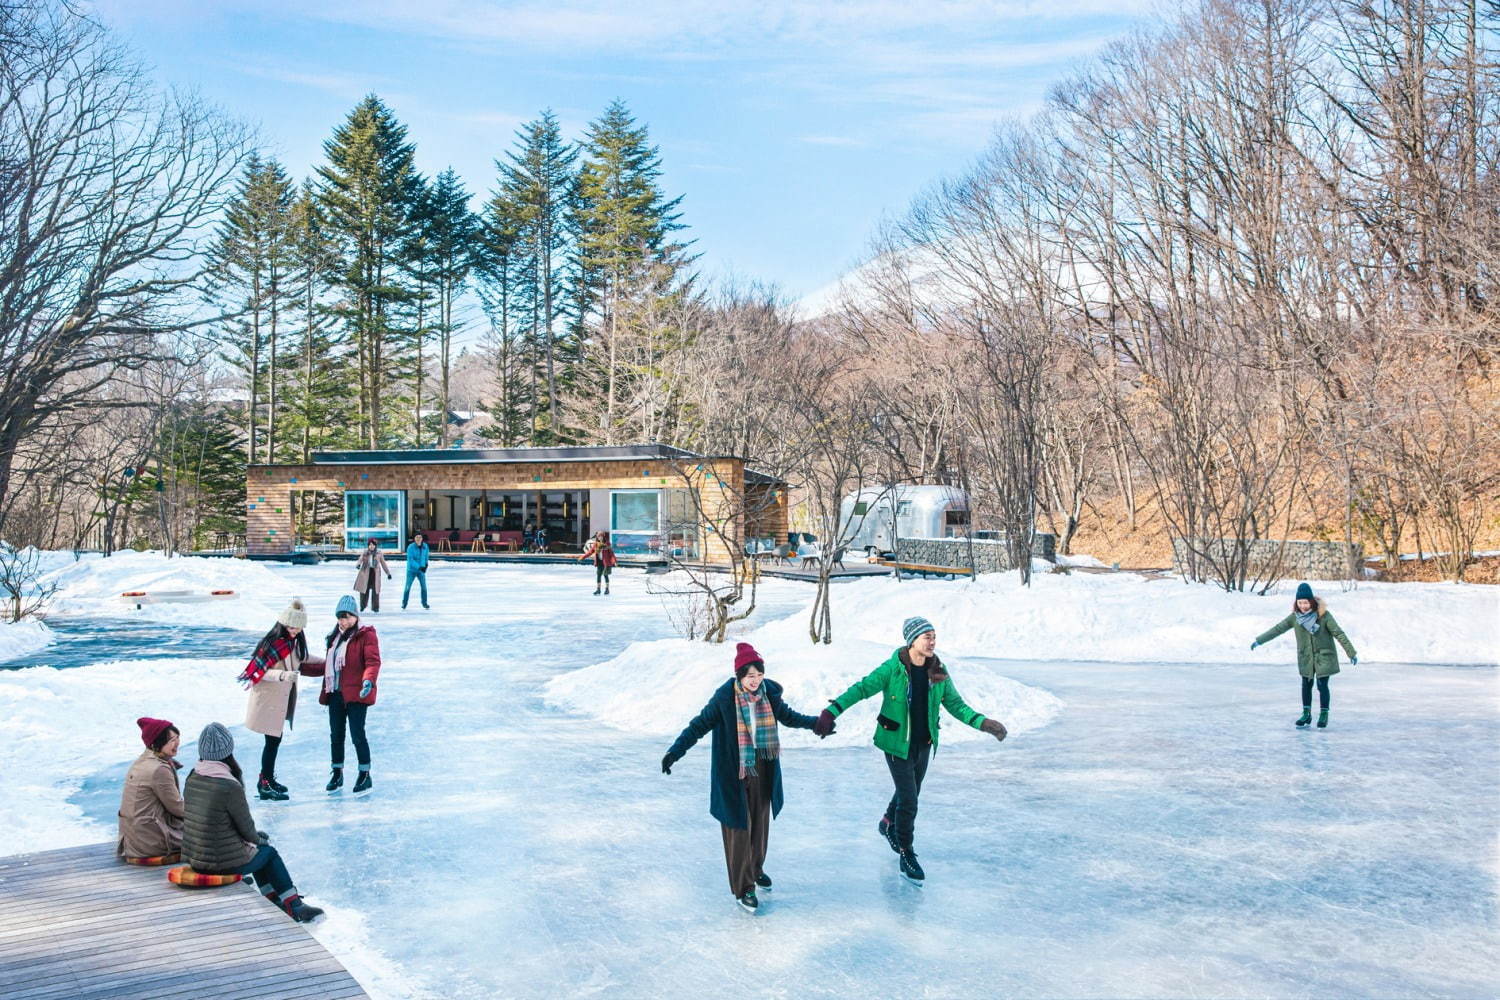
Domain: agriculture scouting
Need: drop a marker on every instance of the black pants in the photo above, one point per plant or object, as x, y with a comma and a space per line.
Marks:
908, 775
601, 575
1323, 697
268, 756
270, 874
370, 595
340, 711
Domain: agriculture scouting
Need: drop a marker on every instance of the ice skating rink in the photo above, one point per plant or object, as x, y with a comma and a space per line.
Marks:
1151, 830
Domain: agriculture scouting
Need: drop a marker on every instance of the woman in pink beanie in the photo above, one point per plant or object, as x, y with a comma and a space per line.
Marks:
745, 773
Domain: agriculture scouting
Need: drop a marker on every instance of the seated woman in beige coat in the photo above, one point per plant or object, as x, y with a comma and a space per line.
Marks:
151, 808
271, 677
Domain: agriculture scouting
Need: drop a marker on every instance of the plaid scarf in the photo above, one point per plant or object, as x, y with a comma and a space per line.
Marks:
766, 745
266, 654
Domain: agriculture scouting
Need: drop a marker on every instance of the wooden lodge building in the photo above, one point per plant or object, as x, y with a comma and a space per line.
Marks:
654, 500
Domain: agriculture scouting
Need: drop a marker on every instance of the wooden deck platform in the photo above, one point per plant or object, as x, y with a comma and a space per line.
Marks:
78, 924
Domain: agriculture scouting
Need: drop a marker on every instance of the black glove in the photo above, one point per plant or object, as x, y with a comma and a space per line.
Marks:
993, 727
666, 763
824, 726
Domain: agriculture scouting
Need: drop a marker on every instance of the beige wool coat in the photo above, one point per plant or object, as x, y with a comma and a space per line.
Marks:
273, 702
367, 565
151, 809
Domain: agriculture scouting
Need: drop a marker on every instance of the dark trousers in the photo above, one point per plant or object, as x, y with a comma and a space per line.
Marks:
908, 775
1323, 696
268, 756
745, 849
601, 575
371, 596
353, 712
270, 874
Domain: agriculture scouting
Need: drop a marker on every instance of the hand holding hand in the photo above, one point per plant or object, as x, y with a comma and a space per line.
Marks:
994, 728
824, 726
366, 688
666, 763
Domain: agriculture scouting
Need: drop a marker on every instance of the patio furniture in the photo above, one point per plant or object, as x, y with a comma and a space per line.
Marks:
782, 553
809, 554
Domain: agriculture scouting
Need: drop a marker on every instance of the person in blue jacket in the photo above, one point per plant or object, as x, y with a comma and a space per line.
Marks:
745, 770
416, 568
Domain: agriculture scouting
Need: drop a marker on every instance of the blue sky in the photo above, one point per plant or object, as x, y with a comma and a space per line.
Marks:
789, 127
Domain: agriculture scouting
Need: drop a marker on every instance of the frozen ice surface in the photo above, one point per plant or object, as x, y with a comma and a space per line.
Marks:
1167, 833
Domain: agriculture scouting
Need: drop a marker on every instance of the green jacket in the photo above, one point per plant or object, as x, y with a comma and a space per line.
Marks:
892, 732
1316, 654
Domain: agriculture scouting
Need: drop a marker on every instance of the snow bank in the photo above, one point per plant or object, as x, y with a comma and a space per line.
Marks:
657, 687
23, 637
63, 725
1126, 618
91, 587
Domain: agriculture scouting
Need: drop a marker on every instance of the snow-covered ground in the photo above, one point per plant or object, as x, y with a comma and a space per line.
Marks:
1154, 826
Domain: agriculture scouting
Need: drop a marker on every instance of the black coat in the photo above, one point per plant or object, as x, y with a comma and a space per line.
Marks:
218, 834
726, 796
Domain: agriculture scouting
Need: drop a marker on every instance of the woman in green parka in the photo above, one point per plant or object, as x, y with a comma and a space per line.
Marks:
912, 683
1317, 656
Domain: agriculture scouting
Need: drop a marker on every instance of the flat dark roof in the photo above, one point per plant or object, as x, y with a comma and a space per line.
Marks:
448, 456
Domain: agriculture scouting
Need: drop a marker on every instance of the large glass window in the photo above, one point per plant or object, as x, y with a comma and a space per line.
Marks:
680, 524
635, 521
373, 514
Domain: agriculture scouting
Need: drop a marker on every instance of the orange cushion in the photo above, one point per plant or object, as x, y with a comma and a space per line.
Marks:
161, 859
185, 876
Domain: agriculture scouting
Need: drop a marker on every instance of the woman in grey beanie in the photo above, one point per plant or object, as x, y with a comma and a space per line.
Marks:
218, 835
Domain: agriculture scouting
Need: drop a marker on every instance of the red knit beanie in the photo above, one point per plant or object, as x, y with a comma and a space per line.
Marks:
151, 729
745, 653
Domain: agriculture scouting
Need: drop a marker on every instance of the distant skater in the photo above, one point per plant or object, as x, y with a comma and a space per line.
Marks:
912, 683
349, 670
417, 555
1317, 656
745, 768
367, 580
271, 676
603, 555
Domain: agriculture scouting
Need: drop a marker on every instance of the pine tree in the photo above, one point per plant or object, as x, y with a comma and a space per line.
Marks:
250, 261
454, 232
538, 181
624, 227
321, 386
367, 195
497, 268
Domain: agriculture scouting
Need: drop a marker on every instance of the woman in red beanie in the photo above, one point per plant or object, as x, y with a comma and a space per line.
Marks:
151, 808
745, 776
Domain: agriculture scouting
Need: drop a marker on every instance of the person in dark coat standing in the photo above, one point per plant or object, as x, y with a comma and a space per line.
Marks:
745, 773
218, 834
349, 670
1317, 657
603, 555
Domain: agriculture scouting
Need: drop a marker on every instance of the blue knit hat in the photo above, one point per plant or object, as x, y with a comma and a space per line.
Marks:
347, 603
1304, 592
215, 742
914, 627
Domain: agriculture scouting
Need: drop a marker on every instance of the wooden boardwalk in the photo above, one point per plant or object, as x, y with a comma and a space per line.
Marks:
79, 924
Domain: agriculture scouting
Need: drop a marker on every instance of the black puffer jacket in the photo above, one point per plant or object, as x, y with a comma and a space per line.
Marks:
218, 834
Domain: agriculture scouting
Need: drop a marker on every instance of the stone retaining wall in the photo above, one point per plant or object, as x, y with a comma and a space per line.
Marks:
988, 556
1300, 560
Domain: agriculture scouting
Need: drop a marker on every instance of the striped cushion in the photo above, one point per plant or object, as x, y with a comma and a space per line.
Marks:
161, 859
185, 876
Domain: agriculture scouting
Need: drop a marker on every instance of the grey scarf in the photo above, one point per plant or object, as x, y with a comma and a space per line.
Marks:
1309, 621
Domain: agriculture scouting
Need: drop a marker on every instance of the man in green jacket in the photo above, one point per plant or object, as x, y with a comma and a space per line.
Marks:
912, 683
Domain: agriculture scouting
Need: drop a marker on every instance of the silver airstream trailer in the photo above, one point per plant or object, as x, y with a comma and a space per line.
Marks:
875, 517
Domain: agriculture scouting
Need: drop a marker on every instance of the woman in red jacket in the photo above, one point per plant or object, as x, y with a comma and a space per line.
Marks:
603, 555
349, 671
